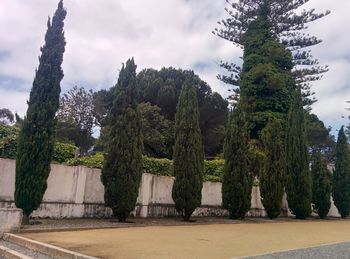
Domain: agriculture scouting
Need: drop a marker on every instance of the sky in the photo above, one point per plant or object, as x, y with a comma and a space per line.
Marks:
103, 34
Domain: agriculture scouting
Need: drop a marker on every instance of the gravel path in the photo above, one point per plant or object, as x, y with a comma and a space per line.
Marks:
339, 251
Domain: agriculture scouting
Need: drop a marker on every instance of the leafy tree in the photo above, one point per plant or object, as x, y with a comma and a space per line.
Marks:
321, 185
319, 137
188, 153
272, 179
76, 118
237, 180
341, 175
162, 88
36, 140
122, 171
158, 137
286, 23
6, 116
299, 192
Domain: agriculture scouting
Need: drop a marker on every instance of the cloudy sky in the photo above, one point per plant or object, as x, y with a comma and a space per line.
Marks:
157, 33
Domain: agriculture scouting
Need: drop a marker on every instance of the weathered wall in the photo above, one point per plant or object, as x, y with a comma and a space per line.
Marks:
77, 191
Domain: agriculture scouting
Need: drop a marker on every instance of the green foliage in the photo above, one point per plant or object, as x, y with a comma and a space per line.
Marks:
341, 175
63, 152
282, 20
36, 139
93, 161
122, 170
299, 185
161, 89
321, 185
188, 153
265, 82
76, 118
158, 166
237, 182
213, 169
8, 141
158, 135
272, 178
319, 137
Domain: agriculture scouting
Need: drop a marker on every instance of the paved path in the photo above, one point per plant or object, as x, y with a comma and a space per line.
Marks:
338, 251
217, 241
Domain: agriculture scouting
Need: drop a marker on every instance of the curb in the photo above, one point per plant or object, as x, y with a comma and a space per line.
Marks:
43, 248
12, 254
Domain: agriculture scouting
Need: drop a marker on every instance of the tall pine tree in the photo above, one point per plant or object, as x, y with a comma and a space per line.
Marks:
237, 181
35, 143
299, 192
272, 179
265, 86
188, 153
284, 22
122, 171
321, 185
341, 175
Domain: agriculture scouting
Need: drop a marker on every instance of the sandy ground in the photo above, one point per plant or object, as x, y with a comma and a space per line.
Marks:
199, 241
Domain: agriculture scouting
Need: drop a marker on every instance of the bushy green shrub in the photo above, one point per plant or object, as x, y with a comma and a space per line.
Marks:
8, 141
213, 170
63, 152
93, 161
8, 145
158, 166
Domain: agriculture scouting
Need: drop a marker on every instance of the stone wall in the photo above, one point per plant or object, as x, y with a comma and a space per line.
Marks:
77, 191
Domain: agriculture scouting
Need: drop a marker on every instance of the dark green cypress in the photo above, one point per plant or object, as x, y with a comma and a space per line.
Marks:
188, 153
299, 186
122, 171
341, 175
237, 181
35, 143
272, 179
321, 185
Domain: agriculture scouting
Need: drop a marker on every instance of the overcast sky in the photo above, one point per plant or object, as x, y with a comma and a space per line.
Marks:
102, 34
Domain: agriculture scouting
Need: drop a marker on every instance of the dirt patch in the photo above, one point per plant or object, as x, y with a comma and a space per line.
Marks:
199, 241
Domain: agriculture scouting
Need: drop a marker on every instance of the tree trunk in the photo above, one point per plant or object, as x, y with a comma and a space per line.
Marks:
25, 219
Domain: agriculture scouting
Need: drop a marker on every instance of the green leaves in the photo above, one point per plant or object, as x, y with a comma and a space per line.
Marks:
237, 182
122, 170
36, 139
341, 175
188, 153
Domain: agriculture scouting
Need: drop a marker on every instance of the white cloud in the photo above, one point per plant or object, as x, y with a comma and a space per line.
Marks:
102, 34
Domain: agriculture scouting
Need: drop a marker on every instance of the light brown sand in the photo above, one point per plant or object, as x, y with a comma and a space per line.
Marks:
199, 241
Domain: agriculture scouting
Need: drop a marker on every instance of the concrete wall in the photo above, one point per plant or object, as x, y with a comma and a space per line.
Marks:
77, 191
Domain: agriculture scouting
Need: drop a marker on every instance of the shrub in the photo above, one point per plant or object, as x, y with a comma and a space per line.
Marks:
213, 170
63, 152
158, 166
8, 141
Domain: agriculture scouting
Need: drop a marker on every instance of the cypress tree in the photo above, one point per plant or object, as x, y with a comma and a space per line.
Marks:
122, 171
299, 193
341, 175
36, 139
237, 181
188, 153
272, 178
321, 185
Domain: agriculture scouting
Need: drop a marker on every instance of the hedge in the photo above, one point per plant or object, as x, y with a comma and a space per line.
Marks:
213, 169
65, 153
8, 145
